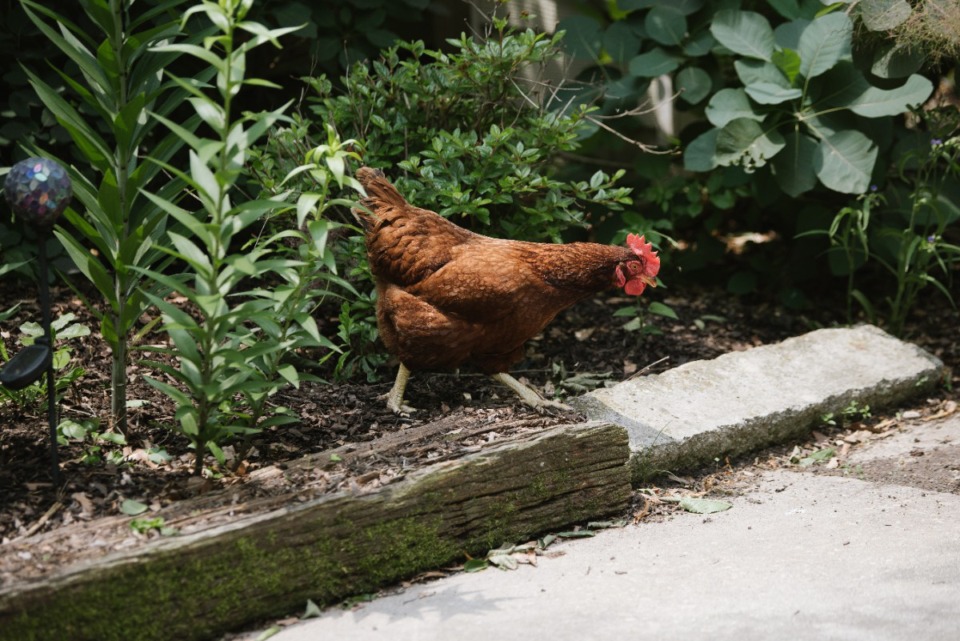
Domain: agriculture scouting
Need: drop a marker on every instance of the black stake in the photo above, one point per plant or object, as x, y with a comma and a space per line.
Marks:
48, 335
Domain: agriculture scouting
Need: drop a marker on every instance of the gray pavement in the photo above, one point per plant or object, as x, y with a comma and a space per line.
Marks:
799, 556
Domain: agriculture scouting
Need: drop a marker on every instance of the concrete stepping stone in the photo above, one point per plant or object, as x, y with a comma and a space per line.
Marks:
703, 411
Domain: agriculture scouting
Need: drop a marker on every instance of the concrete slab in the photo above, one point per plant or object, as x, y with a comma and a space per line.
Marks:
802, 556
741, 401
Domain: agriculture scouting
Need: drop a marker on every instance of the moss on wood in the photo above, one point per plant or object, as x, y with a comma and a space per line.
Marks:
200, 585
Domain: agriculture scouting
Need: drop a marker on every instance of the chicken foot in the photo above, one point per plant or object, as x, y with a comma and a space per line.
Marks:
395, 395
527, 395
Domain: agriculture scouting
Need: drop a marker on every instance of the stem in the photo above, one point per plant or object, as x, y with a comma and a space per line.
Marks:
210, 324
118, 375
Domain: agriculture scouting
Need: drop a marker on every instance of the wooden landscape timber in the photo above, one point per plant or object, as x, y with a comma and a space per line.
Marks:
202, 584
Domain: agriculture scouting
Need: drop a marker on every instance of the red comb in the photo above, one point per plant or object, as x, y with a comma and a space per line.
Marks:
645, 251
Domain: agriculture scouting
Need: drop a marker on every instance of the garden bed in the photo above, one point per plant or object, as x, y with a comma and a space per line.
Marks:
349, 499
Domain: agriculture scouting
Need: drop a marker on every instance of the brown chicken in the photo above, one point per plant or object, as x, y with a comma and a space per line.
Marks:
449, 297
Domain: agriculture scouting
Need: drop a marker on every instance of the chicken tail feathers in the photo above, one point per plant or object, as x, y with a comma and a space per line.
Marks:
381, 194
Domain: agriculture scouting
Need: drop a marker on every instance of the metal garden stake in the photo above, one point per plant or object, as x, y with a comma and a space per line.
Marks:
38, 190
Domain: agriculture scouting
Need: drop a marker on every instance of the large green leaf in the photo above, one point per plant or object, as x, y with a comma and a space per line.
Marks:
787, 35
793, 166
584, 36
72, 47
666, 24
876, 102
653, 63
824, 43
90, 142
700, 154
756, 71
743, 32
694, 83
699, 44
746, 143
767, 93
844, 161
621, 42
897, 61
729, 104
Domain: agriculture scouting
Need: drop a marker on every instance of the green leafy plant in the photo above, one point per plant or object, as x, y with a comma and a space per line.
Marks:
917, 249
224, 339
803, 106
478, 139
638, 314
318, 174
850, 247
904, 231
118, 232
97, 443
62, 329
145, 525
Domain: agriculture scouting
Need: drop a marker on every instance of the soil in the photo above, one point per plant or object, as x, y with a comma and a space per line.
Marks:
456, 414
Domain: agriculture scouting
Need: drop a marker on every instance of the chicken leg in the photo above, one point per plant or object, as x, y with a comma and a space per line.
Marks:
527, 395
395, 395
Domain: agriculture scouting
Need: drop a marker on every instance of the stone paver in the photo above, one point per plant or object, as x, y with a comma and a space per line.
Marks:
694, 413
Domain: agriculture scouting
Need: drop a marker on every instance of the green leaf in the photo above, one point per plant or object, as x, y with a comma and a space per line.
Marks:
897, 61
699, 45
204, 179
756, 71
190, 252
205, 55
133, 508
653, 63
703, 506
700, 154
844, 161
876, 103
744, 142
793, 166
788, 62
94, 148
621, 42
475, 565
729, 104
660, 309
820, 456
767, 93
787, 35
583, 37
69, 45
694, 84
743, 32
666, 24
824, 43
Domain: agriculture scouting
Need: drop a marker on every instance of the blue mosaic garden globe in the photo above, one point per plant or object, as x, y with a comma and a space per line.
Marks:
38, 190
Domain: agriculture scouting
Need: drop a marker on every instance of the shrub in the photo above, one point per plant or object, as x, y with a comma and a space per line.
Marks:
470, 135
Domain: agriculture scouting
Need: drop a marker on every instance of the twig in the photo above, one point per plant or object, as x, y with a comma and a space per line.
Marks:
41, 521
647, 368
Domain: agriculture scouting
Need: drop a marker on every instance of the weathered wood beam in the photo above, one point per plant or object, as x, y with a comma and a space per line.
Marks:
200, 585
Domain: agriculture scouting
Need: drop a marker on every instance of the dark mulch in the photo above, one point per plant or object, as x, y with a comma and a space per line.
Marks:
584, 347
